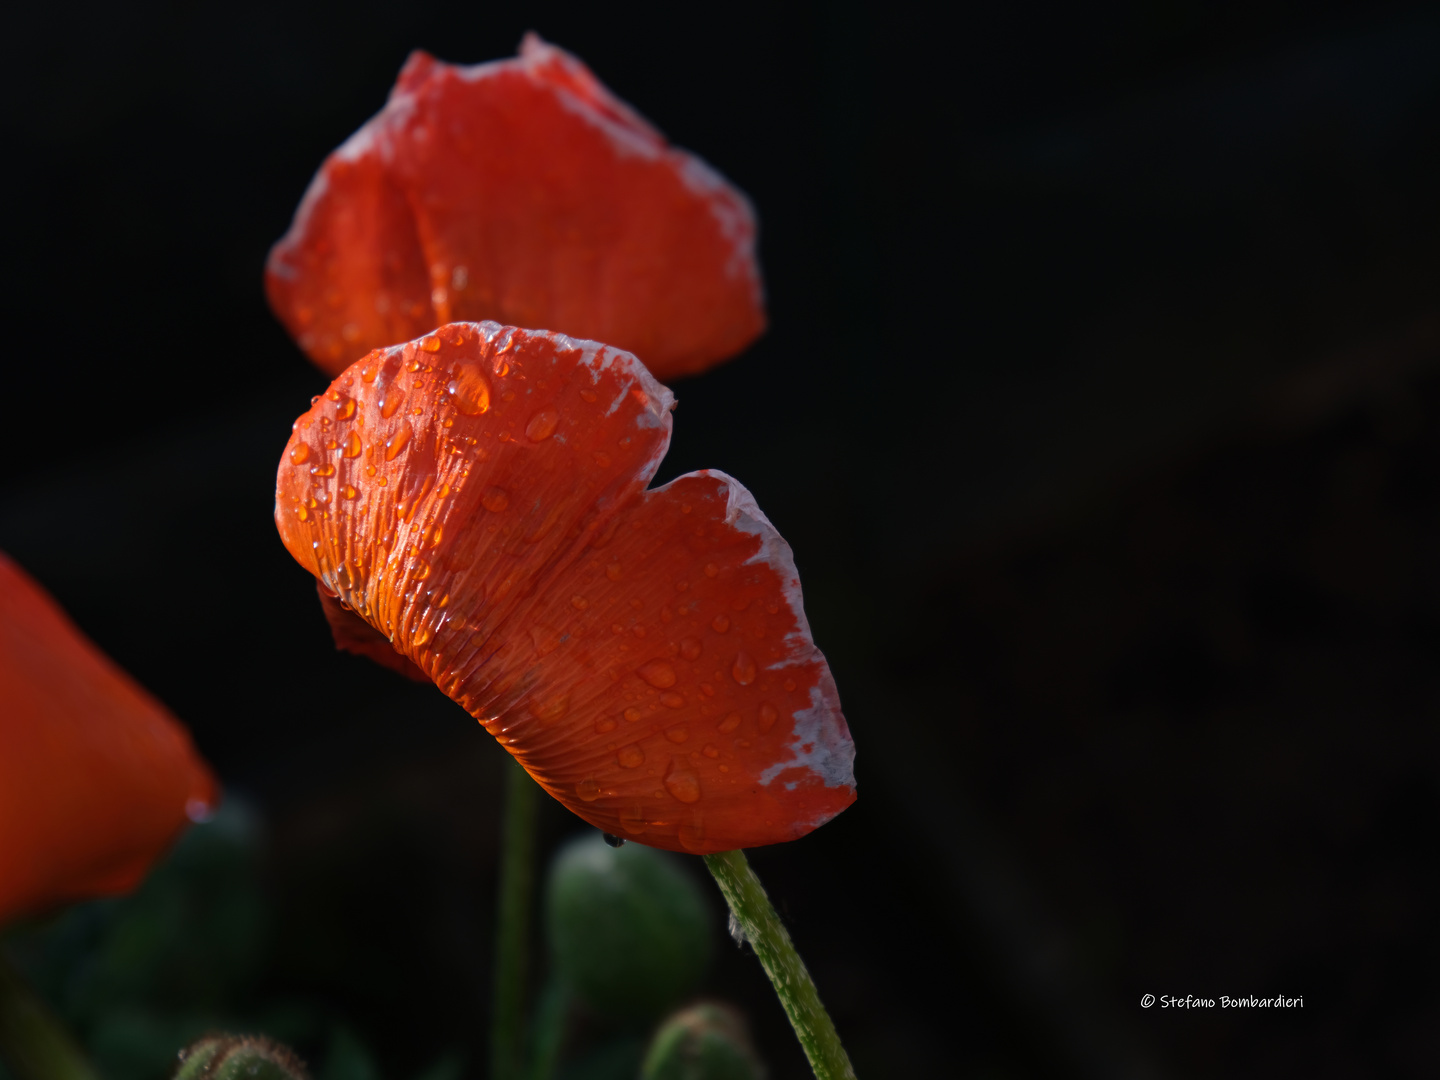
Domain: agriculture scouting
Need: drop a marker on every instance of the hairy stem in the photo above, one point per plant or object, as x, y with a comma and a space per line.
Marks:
33, 1044
512, 940
756, 917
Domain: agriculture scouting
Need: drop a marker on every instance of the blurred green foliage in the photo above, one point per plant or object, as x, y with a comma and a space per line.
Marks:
139, 977
187, 955
629, 930
703, 1042
617, 1058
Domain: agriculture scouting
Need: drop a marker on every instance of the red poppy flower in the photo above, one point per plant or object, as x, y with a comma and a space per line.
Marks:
96, 776
522, 191
478, 496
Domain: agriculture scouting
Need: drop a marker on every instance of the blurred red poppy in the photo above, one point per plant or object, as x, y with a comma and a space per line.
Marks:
478, 496
96, 776
523, 191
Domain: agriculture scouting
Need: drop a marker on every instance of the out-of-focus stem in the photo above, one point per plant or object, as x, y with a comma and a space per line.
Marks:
771, 941
33, 1044
550, 1015
512, 940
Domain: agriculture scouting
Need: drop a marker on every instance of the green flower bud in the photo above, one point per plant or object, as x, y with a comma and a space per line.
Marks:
704, 1042
239, 1057
629, 928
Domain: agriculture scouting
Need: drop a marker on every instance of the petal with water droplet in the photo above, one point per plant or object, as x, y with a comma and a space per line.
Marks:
729, 674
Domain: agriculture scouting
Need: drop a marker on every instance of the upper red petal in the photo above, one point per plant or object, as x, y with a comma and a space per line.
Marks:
521, 191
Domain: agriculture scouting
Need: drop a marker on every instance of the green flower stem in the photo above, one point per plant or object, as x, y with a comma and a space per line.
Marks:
512, 939
793, 986
33, 1044
550, 1016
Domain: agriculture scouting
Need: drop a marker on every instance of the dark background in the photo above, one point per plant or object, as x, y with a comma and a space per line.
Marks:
1100, 404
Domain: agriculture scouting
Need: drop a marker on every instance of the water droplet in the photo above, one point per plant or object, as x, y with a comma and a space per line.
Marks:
370, 370
681, 782
711, 750
431, 343
470, 392
720, 623
768, 716
605, 725
396, 442
633, 820
545, 639
692, 831
589, 790
542, 425
352, 446
729, 724
711, 570
495, 500
322, 470
690, 648
678, 734
302, 513
658, 674
299, 454
632, 714
548, 712
579, 603
630, 757
671, 700
345, 408
393, 397
349, 491
589, 396
743, 669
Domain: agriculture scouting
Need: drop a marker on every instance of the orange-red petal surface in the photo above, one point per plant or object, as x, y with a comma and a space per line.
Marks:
522, 191
96, 776
478, 497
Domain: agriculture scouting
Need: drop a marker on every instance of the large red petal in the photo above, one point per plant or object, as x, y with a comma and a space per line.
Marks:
535, 197
478, 497
96, 776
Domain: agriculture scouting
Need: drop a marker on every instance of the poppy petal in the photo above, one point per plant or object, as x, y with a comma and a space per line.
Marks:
523, 191
644, 654
96, 776
359, 276
353, 634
